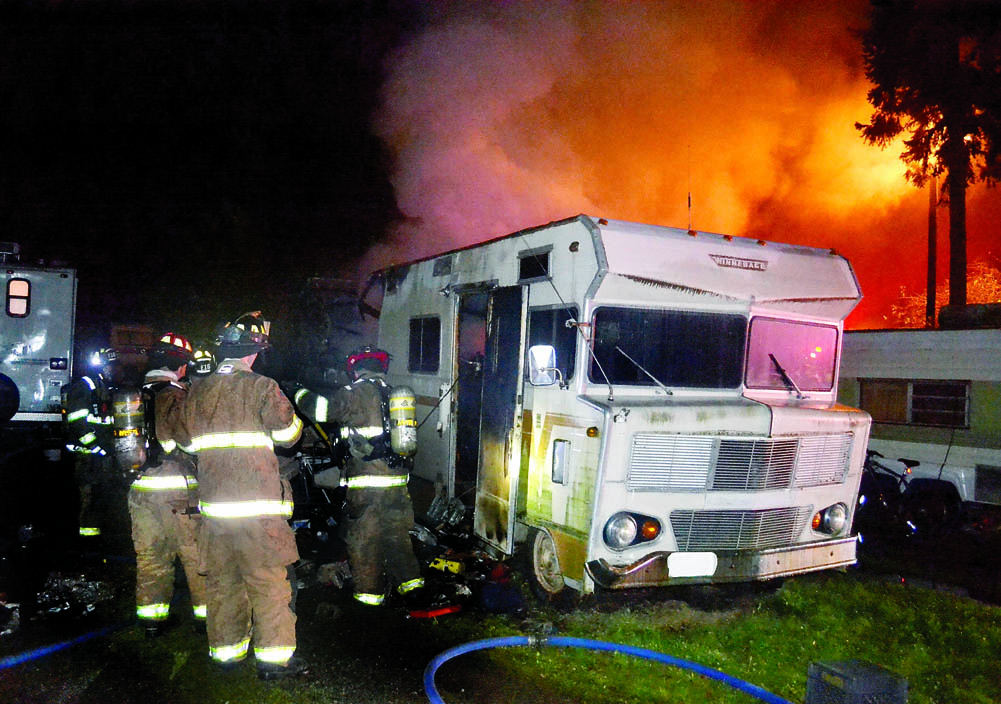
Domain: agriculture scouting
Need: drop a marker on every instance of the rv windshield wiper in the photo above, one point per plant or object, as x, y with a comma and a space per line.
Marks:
785, 376
640, 367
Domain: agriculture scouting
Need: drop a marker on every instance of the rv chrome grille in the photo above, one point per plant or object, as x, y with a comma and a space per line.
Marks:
670, 462
738, 530
823, 459
743, 465
664, 462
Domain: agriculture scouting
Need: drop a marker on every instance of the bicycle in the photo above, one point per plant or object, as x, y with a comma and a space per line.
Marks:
903, 503
881, 507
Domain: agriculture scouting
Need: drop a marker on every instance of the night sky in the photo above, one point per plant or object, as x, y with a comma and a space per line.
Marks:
195, 160
192, 159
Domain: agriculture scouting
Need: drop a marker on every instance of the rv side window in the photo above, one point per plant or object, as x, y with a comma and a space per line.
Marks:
561, 458
533, 265
549, 327
916, 402
18, 298
425, 344
677, 347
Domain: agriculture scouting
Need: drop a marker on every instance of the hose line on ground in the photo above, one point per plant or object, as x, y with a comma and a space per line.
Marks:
28, 656
567, 642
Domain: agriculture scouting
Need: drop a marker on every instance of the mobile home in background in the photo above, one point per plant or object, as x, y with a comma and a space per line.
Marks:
632, 405
934, 397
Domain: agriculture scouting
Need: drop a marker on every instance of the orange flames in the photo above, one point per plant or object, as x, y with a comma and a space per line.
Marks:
502, 116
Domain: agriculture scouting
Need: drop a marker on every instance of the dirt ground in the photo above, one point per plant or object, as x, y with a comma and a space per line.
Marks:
66, 615
357, 655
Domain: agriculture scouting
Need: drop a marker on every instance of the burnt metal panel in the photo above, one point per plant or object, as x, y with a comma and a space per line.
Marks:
500, 421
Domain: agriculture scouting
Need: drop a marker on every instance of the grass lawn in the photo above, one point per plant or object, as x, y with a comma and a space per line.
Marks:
945, 646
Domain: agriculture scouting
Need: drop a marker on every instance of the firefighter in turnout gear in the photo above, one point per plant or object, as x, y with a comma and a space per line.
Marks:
88, 420
234, 418
163, 500
378, 511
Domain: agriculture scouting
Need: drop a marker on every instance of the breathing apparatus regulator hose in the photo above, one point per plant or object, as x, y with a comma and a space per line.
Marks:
567, 642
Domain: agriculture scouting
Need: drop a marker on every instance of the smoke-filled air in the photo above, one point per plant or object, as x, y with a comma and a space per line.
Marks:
506, 115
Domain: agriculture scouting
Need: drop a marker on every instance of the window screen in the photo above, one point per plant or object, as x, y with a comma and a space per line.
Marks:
916, 402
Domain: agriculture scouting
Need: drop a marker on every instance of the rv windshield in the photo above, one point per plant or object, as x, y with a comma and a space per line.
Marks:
789, 355
677, 348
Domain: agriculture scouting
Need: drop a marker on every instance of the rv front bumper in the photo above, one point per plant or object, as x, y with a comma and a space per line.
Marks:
654, 570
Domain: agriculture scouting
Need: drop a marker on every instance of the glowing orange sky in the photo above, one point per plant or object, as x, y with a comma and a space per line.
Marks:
502, 116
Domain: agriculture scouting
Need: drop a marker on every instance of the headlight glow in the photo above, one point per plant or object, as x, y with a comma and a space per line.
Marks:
620, 531
625, 529
832, 520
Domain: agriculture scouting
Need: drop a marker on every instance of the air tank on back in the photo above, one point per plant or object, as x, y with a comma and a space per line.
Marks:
129, 428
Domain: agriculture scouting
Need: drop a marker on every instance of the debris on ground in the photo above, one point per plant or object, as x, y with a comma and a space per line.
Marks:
335, 574
10, 618
71, 594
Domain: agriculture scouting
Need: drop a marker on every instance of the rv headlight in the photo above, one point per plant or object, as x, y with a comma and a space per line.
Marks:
620, 531
832, 520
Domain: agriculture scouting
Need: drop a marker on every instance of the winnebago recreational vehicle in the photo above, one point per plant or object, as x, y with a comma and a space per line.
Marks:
934, 397
631, 405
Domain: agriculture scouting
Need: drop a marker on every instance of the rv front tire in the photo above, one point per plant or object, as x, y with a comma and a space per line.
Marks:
542, 566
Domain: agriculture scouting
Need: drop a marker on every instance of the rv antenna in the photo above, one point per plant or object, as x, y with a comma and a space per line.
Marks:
689, 187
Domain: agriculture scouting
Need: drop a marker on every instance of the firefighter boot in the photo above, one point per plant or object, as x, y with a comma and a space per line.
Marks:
274, 671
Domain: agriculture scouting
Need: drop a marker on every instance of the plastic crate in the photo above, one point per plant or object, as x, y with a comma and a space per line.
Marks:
853, 682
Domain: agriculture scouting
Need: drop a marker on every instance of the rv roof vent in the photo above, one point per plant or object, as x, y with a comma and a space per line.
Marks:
10, 251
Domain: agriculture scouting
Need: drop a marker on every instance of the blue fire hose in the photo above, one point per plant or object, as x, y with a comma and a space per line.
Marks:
566, 642
12, 660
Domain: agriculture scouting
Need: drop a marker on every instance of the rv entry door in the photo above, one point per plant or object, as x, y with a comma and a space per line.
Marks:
500, 420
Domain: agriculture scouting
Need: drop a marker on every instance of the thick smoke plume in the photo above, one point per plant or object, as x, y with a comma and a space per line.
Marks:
506, 115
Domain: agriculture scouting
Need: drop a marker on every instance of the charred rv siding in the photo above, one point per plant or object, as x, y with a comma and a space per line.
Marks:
37, 337
721, 479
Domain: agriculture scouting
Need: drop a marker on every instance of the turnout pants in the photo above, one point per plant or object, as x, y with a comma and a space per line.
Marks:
93, 474
247, 587
161, 533
378, 542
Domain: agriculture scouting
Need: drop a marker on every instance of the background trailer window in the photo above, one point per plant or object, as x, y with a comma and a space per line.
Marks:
916, 402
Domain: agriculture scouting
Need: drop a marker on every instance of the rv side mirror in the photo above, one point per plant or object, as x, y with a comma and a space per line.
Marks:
542, 369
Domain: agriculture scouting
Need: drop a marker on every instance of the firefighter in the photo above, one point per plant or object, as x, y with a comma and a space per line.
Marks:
88, 420
234, 419
163, 499
378, 511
